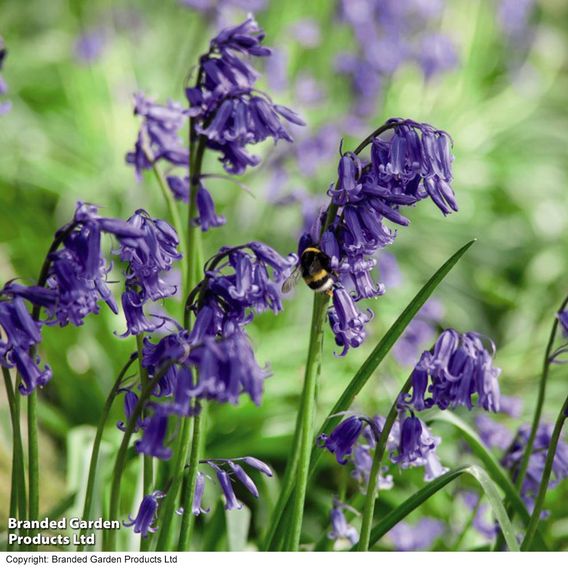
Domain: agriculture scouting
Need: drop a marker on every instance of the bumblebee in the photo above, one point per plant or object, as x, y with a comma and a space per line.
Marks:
315, 268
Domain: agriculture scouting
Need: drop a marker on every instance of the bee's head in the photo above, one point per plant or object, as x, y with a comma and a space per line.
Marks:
306, 241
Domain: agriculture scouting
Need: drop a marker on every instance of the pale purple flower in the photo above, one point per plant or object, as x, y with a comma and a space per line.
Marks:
6, 105
196, 507
483, 522
493, 434
90, 45
342, 439
421, 536
533, 476
340, 528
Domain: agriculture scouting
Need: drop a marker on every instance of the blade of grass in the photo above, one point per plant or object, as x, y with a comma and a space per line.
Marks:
413, 502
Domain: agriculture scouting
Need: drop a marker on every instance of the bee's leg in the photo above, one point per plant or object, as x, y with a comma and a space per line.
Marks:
329, 292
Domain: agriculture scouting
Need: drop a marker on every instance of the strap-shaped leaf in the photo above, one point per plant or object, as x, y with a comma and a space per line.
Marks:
492, 466
413, 502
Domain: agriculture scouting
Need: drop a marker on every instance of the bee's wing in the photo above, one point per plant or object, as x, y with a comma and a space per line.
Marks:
291, 281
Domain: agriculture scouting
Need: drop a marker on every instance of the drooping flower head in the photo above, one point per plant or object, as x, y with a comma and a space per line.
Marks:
78, 270
458, 367
147, 515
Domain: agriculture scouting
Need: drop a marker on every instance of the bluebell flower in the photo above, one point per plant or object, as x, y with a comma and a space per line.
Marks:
342, 439
347, 322
136, 321
90, 45
78, 271
231, 501
207, 216
154, 434
459, 367
229, 112
340, 528
414, 446
158, 138
421, 536
36, 295
196, 507
130, 402
147, 514
21, 333
513, 457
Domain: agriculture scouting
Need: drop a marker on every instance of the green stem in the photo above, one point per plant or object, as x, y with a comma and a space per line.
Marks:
194, 268
97, 444
109, 543
370, 497
174, 216
539, 501
148, 468
190, 481
18, 505
33, 463
540, 401
313, 368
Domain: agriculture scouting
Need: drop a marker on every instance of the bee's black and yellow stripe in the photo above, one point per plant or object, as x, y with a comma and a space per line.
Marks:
315, 270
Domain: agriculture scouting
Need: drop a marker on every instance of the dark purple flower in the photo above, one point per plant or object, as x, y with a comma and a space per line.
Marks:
533, 476
340, 528
136, 321
228, 368
130, 402
342, 439
421, 536
347, 322
154, 434
414, 446
459, 367
36, 295
158, 138
22, 333
563, 320
78, 271
147, 515
179, 187
207, 216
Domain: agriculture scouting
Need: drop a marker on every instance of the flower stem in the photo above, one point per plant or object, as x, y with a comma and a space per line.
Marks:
194, 269
313, 369
540, 401
148, 469
18, 503
539, 501
33, 463
190, 481
109, 543
174, 216
97, 444
370, 497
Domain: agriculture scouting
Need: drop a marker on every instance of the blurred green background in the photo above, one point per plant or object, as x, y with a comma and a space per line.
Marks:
71, 70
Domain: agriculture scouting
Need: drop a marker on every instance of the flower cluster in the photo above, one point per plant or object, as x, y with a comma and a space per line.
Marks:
148, 257
5, 105
414, 164
215, 360
228, 111
457, 368
224, 469
410, 444
75, 283
514, 455
158, 138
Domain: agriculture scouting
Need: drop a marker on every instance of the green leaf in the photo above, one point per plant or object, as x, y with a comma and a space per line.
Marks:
238, 523
492, 466
413, 502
